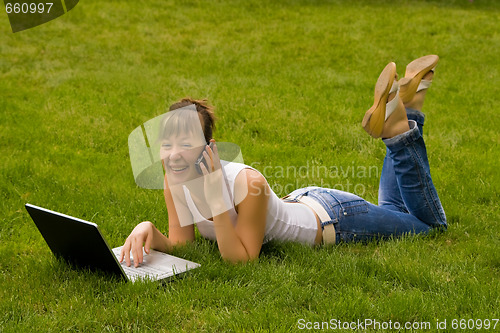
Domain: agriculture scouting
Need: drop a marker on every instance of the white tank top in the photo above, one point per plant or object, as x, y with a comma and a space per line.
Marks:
285, 221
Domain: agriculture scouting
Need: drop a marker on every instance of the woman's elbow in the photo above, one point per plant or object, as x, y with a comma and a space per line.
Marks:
240, 259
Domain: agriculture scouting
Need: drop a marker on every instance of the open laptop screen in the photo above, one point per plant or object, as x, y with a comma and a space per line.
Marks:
78, 242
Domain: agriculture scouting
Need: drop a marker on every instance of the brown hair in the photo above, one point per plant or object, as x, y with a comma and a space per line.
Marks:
205, 112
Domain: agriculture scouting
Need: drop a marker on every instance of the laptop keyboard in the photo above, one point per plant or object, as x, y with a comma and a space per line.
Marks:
155, 266
146, 270
141, 271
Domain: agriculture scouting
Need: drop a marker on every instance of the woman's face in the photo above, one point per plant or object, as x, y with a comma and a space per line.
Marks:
179, 154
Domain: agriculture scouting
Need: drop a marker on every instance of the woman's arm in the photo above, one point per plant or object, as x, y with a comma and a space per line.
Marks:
244, 242
177, 233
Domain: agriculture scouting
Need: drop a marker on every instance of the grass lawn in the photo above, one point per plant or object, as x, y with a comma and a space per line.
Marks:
291, 81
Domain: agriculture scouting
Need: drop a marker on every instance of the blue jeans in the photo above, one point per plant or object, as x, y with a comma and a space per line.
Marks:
408, 201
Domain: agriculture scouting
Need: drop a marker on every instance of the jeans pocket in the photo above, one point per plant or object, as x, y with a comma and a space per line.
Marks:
344, 203
354, 207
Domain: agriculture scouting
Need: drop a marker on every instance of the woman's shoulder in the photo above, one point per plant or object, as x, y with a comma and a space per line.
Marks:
249, 181
233, 171
234, 166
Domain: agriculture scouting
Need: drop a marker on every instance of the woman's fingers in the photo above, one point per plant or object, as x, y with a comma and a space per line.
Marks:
134, 246
142, 235
212, 156
122, 252
126, 252
135, 255
208, 159
147, 244
137, 252
203, 168
217, 164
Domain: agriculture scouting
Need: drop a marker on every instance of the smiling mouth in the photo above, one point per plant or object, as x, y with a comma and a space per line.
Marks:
178, 169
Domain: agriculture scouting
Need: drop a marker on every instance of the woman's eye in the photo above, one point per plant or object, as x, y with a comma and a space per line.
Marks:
186, 146
166, 145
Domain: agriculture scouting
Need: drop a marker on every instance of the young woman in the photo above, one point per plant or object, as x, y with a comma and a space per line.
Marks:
236, 207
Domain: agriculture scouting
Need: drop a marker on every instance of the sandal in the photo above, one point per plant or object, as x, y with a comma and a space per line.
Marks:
374, 121
415, 71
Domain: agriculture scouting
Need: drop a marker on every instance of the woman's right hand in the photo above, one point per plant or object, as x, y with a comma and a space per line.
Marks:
142, 235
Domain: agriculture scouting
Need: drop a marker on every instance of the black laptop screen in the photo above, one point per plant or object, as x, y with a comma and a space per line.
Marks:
78, 242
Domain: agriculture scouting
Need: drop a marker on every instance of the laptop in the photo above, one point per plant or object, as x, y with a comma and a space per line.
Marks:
80, 243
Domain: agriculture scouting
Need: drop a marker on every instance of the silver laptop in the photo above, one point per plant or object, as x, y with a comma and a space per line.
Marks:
81, 244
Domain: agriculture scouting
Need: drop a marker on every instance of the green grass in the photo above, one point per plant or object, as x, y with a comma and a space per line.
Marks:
291, 81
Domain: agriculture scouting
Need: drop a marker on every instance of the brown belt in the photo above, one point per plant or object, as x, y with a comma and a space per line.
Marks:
329, 229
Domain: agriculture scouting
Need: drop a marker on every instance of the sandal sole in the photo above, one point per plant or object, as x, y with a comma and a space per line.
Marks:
374, 119
415, 71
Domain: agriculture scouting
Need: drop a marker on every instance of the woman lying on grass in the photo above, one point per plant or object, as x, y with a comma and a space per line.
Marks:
235, 206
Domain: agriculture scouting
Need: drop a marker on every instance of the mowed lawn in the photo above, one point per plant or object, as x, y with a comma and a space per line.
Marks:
291, 81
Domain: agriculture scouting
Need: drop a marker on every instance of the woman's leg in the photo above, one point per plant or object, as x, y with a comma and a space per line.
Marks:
389, 195
409, 157
356, 219
406, 166
418, 116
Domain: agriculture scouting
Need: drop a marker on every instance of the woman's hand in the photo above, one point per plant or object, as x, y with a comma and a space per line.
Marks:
142, 235
215, 187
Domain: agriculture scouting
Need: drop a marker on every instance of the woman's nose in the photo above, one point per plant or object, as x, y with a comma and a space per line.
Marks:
175, 154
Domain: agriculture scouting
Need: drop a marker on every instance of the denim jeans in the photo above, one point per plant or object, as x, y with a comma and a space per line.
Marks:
408, 201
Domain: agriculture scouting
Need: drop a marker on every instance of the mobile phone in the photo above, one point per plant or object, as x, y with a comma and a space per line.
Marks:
201, 159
